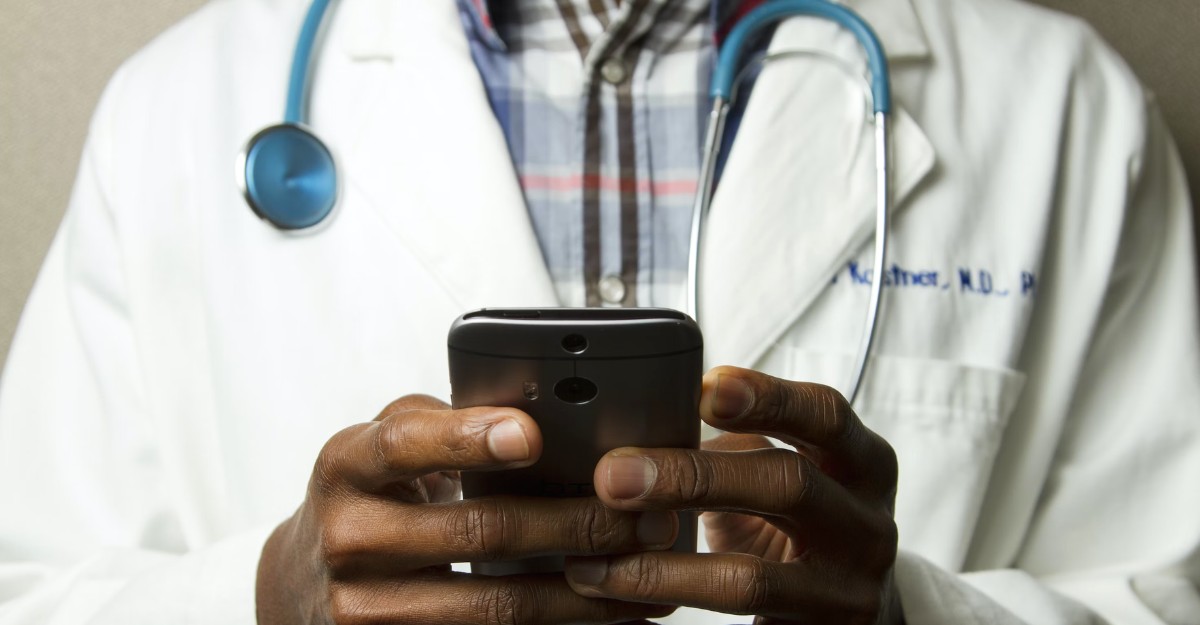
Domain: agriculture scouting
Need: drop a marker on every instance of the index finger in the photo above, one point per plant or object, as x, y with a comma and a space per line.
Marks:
814, 418
410, 442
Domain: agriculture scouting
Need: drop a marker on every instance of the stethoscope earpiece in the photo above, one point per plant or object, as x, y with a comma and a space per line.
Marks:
288, 177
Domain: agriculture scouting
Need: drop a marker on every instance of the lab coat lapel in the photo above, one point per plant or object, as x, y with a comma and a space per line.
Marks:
430, 158
797, 198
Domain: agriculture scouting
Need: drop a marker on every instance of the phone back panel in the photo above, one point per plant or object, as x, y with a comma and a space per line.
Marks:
645, 369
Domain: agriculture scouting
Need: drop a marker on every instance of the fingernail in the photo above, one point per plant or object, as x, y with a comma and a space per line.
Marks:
656, 529
506, 441
732, 397
589, 572
630, 477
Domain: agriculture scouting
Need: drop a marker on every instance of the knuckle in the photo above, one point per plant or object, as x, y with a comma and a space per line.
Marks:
406, 442
799, 480
392, 438
396, 406
339, 547
777, 403
331, 460
835, 417
463, 445
506, 604
482, 526
827, 410
647, 575
326, 475
346, 607
595, 532
746, 585
694, 477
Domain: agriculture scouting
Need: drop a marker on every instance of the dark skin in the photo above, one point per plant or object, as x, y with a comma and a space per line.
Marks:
801, 535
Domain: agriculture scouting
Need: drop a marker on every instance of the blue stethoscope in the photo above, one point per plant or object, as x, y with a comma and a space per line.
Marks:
289, 177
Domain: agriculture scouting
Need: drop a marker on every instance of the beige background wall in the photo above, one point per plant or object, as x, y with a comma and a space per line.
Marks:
56, 55
55, 58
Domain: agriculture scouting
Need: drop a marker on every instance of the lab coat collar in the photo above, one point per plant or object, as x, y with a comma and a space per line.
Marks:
430, 159
366, 27
897, 25
789, 215
792, 213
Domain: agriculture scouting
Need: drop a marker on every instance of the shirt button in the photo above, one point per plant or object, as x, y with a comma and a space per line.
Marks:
612, 289
613, 71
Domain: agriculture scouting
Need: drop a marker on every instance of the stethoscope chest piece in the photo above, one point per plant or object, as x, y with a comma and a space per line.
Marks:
288, 176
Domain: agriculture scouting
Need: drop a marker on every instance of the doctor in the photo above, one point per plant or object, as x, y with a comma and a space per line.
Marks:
181, 364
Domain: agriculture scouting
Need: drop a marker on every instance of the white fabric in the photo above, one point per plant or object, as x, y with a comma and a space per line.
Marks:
180, 363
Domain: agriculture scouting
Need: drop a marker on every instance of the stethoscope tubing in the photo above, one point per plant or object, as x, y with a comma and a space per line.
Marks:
722, 91
733, 49
286, 173
883, 202
703, 200
296, 111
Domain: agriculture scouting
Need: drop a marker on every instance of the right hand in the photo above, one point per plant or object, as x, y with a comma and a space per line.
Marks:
381, 523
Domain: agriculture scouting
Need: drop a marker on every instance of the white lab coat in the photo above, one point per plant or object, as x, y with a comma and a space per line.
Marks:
181, 363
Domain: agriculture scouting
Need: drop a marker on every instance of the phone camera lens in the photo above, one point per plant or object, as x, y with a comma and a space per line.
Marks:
576, 390
574, 343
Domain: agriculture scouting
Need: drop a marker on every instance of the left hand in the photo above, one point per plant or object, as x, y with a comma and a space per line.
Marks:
805, 536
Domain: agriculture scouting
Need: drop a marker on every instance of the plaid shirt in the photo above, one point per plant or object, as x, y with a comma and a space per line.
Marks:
603, 107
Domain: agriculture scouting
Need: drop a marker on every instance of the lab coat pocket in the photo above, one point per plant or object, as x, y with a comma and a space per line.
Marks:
945, 420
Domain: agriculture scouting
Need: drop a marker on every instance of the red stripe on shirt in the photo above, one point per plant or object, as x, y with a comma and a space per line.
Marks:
607, 183
484, 15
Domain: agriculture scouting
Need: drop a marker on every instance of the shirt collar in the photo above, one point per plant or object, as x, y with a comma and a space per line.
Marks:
366, 21
488, 21
480, 23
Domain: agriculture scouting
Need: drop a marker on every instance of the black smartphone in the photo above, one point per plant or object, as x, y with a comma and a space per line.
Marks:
594, 379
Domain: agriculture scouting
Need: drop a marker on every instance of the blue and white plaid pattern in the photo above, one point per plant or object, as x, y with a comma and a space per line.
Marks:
607, 155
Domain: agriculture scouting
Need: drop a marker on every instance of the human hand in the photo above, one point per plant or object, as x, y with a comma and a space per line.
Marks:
381, 523
807, 536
